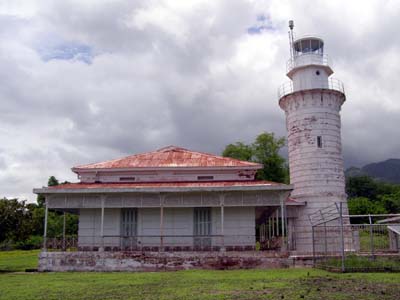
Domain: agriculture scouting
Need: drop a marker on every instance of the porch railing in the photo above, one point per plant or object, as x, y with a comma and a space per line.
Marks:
161, 243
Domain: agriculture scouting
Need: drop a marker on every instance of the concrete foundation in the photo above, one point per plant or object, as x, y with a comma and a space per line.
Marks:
168, 261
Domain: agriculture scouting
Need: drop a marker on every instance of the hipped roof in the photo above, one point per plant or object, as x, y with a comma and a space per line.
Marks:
170, 157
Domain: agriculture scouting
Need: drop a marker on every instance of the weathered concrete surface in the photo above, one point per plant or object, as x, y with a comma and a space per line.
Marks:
168, 261
316, 172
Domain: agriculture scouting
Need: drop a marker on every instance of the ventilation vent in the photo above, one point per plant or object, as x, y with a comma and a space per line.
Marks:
205, 177
127, 179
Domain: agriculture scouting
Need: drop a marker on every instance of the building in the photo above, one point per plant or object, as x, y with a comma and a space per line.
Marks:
312, 102
178, 201
170, 200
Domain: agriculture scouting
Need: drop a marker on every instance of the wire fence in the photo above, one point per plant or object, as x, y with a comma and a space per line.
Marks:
351, 243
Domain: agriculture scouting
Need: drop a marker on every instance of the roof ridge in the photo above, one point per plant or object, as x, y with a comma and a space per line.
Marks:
170, 148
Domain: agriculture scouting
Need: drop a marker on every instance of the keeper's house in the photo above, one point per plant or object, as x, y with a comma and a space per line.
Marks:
170, 200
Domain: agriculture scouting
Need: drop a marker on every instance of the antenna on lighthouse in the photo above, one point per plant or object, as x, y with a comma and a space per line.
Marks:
291, 26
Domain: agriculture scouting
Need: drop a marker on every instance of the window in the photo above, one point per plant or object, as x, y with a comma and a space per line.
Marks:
202, 221
319, 141
128, 221
317, 72
129, 228
205, 177
202, 228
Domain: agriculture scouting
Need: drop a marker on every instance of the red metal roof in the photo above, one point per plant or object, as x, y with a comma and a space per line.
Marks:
166, 184
170, 156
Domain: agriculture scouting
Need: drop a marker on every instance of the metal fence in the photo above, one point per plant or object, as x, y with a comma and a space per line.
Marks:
330, 84
153, 243
345, 243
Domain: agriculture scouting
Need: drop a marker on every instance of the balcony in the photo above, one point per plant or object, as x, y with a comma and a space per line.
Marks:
307, 59
330, 84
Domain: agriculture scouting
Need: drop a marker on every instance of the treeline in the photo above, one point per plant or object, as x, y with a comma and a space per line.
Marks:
369, 196
22, 224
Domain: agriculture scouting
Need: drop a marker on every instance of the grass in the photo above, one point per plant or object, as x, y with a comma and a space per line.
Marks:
364, 263
18, 260
196, 284
380, 241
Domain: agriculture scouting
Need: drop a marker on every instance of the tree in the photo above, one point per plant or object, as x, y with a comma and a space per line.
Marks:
14, 220
364, 206
52, 181
264, 150
361, 186
239, 151
40, 199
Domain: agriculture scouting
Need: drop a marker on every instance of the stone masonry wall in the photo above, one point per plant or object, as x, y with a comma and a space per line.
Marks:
155, 261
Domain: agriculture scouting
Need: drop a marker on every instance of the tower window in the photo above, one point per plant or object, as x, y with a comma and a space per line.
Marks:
317, 72
319, 141
205, 177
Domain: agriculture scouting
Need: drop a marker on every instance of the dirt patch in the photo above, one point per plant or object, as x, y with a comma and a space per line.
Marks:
322, 287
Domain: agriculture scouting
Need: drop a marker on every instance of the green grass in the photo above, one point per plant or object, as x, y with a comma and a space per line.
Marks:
363, 263
380, 241
195, 284
18, 260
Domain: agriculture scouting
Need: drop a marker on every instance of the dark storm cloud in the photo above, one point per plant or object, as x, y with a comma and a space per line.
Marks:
85, 81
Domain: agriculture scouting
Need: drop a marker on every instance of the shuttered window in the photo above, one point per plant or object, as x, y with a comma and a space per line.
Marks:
202, 221
128, 221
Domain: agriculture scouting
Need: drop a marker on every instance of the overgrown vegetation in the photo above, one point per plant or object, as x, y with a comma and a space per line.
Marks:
366, 263
22, 224
369, 196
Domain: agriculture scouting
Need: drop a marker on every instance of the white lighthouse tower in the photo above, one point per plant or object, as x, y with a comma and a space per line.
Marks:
312, 102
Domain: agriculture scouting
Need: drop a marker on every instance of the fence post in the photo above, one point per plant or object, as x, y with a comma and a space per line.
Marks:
325, 234
102, 222
64, 225
341, 235
46, 212
284, 245
313, 244
222, 203
371, 236
161, 223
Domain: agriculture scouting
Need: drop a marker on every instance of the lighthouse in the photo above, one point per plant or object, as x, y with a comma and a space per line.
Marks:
312, 101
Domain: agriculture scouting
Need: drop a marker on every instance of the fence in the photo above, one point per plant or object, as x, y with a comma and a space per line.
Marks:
330, 84
343, 242
153, 243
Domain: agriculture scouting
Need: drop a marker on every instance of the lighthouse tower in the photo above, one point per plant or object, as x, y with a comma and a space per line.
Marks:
312, 102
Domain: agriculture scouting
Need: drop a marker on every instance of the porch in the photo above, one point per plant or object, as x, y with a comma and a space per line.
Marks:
239, 220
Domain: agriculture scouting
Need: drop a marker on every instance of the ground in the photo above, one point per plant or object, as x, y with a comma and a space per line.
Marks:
240, 284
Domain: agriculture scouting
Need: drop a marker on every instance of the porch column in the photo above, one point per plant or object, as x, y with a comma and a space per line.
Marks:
161, 222
222, 203
103, 198
283, 248
63, 245
46, 212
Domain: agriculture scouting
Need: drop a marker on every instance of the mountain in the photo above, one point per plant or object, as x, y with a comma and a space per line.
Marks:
387, 171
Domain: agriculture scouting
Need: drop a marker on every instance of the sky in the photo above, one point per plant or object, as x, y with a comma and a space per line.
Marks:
87, 81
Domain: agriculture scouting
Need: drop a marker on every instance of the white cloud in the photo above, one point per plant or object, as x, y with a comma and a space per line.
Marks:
177, 72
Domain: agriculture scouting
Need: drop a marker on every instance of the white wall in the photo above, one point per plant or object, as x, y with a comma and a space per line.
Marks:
239, 226
89, 226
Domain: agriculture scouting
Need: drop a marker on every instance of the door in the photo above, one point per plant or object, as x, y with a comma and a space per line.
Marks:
128, 228
202, 228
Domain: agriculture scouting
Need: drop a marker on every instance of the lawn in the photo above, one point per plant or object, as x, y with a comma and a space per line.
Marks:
196, 284
18, 260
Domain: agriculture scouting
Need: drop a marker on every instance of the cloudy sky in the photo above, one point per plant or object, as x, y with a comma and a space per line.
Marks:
85, 81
